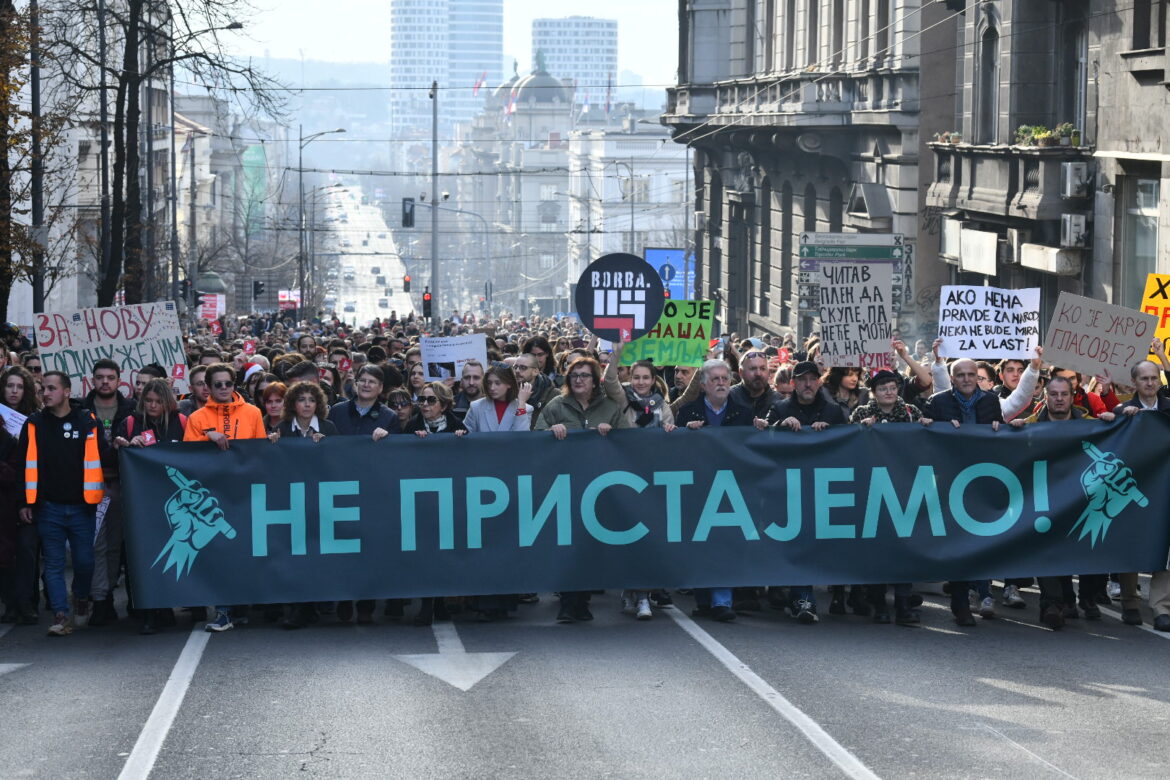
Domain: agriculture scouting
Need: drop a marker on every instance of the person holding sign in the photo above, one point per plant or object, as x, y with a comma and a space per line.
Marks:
643, 397
964, 402
581, 406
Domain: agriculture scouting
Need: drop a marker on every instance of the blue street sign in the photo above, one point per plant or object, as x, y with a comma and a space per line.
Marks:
676, 268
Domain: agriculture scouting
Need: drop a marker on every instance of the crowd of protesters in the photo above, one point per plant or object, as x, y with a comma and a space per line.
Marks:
263, 377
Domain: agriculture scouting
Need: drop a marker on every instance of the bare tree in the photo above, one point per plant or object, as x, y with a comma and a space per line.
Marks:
147, 40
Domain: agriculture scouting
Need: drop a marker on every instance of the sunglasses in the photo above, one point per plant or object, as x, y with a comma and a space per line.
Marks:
755, 354
221, 385
427, 399
400, 404
34, 369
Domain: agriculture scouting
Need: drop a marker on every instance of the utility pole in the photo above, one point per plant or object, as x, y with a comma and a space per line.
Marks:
40, 233
174, 185
434, 203
103, 142
192, 254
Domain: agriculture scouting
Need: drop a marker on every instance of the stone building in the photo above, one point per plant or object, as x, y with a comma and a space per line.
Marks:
804, 115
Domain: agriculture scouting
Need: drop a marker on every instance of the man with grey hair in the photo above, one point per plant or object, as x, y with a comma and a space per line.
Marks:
1147, 380
714, 409
966, 403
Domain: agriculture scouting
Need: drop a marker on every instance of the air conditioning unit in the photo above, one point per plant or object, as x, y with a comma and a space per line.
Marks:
700, 220
1074, 230
1074, 179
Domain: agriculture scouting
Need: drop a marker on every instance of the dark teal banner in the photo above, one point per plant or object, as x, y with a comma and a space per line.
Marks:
522, 512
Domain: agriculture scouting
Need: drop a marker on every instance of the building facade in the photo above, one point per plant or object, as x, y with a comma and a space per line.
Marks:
802, 116
1059, 173
582, 50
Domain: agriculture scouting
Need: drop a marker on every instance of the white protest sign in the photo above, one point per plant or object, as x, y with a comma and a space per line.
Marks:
1097, 338
13, 420
443, 356
132, 336
212, 306
988, 322
855, 312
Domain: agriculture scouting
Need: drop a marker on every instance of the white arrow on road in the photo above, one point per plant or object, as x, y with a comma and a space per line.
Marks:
6, 668
452, 664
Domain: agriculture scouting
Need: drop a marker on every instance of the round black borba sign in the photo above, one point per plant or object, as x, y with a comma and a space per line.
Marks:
619, 297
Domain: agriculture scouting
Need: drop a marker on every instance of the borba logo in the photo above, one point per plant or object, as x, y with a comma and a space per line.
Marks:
1110, 487
195, 519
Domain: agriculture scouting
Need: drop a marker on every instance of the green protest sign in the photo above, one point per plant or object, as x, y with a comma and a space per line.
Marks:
679, 339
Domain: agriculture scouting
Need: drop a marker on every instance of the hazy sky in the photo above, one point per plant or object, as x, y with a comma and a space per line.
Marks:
358, 30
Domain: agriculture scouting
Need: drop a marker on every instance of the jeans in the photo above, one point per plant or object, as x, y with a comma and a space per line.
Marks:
59, 524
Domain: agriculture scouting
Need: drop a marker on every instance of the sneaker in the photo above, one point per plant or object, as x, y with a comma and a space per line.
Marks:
965, 618
81, 611
1131, 617
1012, 597
60, 625
103, 613
661, 598
1113, 590
629, 605
806, 612
987, 608
1071, 613
644, 612
222, 622
907, 617
723, 614
1092, 611
529, 598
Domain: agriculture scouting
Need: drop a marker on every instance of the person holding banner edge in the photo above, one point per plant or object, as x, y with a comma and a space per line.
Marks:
581, 406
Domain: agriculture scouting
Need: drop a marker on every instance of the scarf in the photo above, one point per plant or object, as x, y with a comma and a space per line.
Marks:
967, 406
648, 408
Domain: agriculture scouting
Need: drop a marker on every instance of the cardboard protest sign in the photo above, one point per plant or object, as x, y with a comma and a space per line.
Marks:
1097, 338
619, 297
1156, 301
855, 312
443, 356
13, 420
988, 322
132, 336
212, 306
679, 338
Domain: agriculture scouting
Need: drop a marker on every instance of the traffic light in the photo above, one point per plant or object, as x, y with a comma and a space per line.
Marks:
408, 212
482, 303
666, 292
185, 289
427, 303
257, 289
406, 283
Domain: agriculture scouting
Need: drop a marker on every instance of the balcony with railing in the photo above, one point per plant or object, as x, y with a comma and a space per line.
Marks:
1022, 182
806, 98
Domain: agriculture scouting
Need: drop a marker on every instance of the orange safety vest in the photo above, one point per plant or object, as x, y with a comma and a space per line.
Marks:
93, 487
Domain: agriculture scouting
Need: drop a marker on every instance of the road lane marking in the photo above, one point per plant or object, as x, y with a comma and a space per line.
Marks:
453, 664
1048, 764
141, 761
1148, 629
847, 762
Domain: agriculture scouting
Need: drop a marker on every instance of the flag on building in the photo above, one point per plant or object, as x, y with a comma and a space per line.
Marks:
608, 93
479, 82
585, 104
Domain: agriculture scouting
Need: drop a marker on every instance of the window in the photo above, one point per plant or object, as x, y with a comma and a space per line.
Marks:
790, 35
1149, 24
987, 87
812, 29
548, 192
881, 33
838, 52
1139, 229
810, 208
836, 210
863, 31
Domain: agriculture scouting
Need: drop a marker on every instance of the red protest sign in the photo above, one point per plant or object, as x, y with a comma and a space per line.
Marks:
249, 347
179, 371
215, 327
344, 364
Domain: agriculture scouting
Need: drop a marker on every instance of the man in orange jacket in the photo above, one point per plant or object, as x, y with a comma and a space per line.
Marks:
224, 417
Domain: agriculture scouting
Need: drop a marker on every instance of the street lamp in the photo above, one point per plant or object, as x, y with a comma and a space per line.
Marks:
630, 195
304, 141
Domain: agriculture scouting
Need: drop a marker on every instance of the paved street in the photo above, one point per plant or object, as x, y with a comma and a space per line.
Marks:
760, 697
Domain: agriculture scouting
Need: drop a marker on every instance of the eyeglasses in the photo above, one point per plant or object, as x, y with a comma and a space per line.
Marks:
580, 377
427, 399
400, 404
222, 385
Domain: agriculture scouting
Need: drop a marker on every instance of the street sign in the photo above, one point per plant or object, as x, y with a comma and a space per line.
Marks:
676, 268
834, 252
852, 239
818, 248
